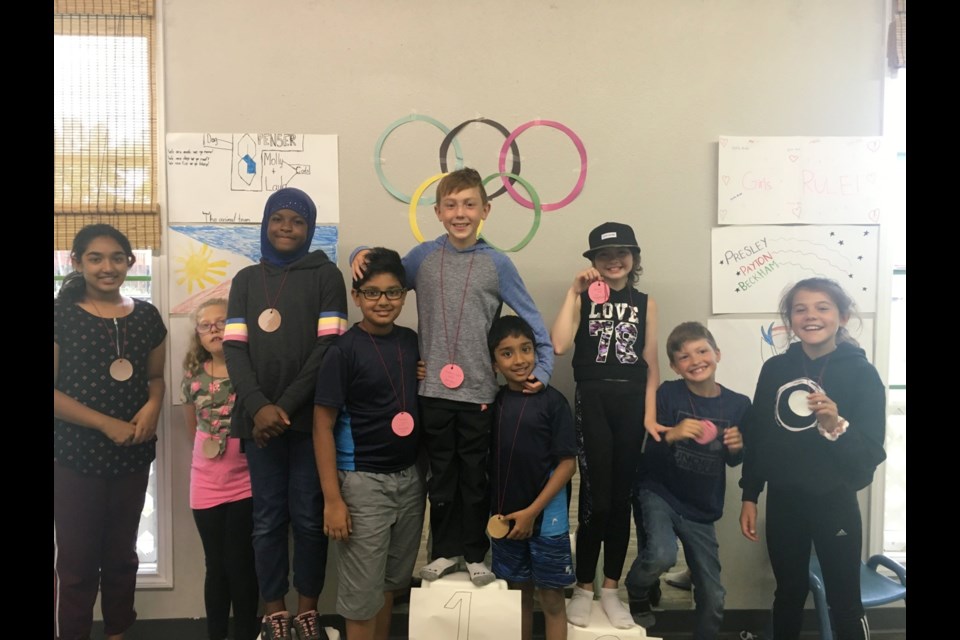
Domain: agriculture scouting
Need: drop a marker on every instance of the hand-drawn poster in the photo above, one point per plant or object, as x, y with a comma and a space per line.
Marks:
226, 178
746, 343
753, 265
204, 259
802, 180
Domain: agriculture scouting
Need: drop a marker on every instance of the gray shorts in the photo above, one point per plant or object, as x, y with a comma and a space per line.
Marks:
386, 510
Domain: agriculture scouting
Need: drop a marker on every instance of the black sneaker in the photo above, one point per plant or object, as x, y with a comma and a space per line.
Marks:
655, 594
642, 612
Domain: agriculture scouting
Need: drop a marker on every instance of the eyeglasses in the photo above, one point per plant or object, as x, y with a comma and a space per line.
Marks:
206, 327
374, 294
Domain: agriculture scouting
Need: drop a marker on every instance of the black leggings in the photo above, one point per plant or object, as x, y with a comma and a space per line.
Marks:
609, 421
226, 531
832, 522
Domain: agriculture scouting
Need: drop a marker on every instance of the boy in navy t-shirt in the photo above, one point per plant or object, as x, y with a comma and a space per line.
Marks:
680, 491
366, 434
532, 459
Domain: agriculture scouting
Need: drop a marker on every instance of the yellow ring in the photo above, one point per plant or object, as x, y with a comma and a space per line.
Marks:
413, 204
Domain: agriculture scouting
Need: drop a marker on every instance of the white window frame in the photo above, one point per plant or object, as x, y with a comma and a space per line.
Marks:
893, 121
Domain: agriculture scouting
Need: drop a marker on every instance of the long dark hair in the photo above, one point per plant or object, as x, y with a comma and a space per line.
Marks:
74, 286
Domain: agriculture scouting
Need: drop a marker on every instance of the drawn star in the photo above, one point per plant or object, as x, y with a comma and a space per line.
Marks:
850, 276
840, 243
864, 288
832, 233
866, 233
859, 257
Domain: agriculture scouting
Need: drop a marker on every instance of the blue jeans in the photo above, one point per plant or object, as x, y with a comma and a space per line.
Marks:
286, 491
662, 526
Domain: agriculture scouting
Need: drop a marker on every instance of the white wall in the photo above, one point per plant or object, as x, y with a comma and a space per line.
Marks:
648, 86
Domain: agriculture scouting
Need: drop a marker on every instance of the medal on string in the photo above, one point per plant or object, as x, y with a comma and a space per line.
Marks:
402, 422
498, 526
451, 374
599, 291
270, 319
211, 447
121, 369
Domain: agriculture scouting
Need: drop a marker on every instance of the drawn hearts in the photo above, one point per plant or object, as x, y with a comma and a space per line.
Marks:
723, 142
797, 210
873, 214
873, 145
723, 213
793, 158
725, 179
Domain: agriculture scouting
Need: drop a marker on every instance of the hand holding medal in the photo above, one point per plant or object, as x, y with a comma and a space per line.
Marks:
498, 526
803, 404
592, 282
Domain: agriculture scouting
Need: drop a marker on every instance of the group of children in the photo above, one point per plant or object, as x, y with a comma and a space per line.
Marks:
397, 415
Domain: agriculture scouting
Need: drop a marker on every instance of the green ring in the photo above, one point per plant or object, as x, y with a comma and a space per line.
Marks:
413, 117
534, 196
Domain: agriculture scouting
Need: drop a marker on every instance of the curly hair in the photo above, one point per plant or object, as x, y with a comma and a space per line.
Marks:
196, 353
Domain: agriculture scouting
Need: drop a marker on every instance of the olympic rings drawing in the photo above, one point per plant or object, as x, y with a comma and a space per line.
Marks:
508, 178
390, 129
553, 206
534, 196
515, 169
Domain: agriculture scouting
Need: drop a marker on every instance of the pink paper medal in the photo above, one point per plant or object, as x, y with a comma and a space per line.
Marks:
402, 424
709, 433
451, 375
599, 292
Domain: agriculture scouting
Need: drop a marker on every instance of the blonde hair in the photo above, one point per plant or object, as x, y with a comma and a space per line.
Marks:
196, 354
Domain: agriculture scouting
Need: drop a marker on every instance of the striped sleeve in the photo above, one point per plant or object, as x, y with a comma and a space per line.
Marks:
236, 329
331, 323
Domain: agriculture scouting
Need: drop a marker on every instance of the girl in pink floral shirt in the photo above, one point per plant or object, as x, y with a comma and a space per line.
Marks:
219, 481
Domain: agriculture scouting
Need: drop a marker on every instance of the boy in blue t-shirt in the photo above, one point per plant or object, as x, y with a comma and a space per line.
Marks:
680, 491
366, 430
533, 457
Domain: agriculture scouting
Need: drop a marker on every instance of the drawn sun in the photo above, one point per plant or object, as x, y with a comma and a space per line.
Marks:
198, 268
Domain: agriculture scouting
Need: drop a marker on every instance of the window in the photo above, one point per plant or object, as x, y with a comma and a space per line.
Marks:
104, 122
893, 508
105, 170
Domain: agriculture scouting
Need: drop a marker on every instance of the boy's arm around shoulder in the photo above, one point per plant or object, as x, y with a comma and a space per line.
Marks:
515, 294
411, 262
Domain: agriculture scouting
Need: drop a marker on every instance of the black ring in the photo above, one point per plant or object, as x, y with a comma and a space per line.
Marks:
515, 150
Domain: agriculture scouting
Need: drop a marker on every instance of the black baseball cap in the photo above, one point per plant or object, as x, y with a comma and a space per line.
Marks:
611, 234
